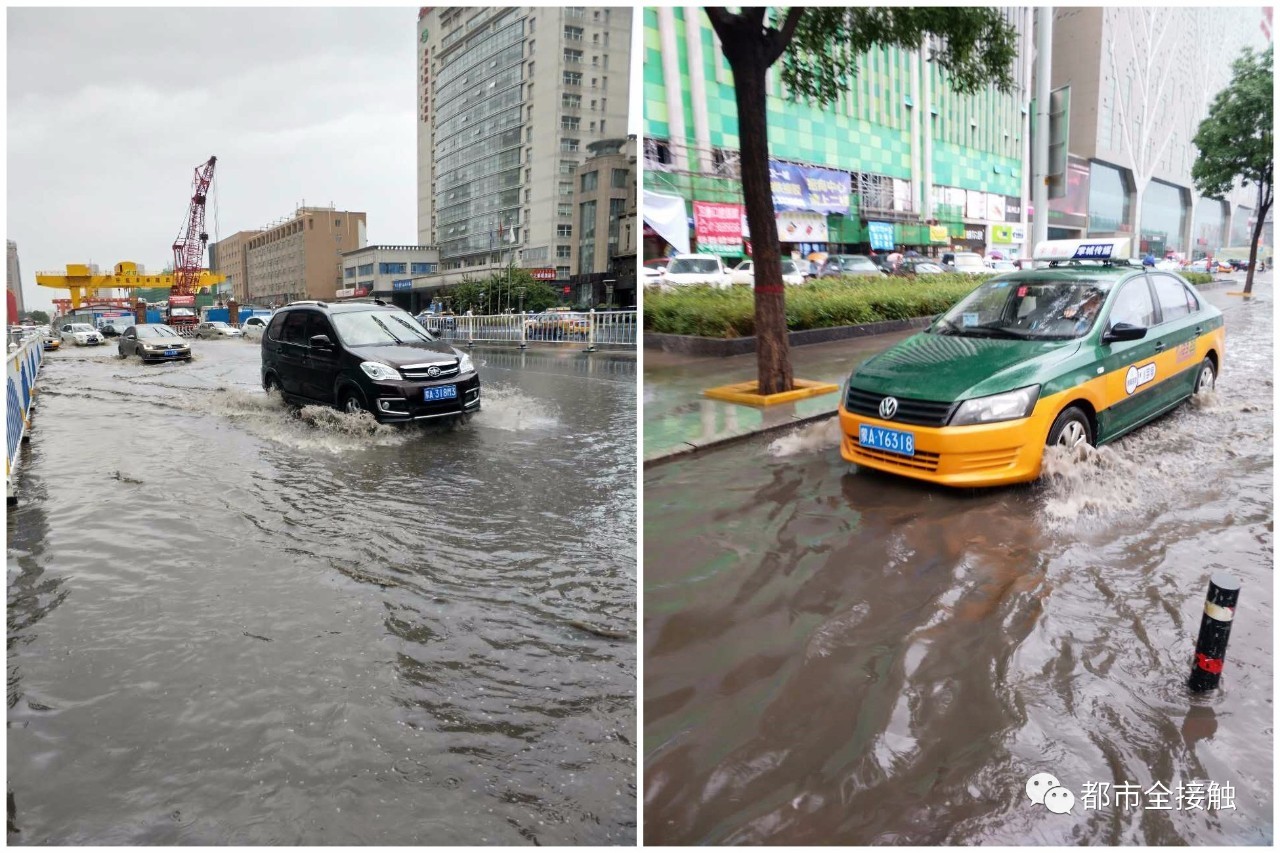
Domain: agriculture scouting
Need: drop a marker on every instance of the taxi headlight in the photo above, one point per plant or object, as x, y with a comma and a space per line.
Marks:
1008, 406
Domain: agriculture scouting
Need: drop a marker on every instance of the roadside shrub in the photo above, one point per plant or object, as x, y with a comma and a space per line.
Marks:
1198, 277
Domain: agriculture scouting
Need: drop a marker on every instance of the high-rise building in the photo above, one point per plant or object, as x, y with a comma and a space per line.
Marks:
301, 257
604, 190
509, 100
902, 159
230, 257
1141, 81
13, 279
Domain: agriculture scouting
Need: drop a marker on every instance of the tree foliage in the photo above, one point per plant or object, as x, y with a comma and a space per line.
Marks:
39, 317
1236, 139
497, 293
976, 47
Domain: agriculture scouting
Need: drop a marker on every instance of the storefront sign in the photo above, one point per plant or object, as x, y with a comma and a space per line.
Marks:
808, 188
543, 274
718, 227
975, 204
181, 300
402, 284
1001, 234
802, 226
880, 235
975, 233
938, 234
995, 207
1012, 208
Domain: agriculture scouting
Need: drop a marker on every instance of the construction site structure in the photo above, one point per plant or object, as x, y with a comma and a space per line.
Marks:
188, 250
83, 282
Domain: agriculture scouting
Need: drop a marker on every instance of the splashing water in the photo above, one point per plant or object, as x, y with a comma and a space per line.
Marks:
810, 438
513, 410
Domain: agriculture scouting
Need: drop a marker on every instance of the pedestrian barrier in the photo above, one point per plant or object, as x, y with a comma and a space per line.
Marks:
23, 365
589, 329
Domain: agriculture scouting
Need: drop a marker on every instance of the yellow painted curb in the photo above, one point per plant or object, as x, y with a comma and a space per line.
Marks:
1239, 293
744, 392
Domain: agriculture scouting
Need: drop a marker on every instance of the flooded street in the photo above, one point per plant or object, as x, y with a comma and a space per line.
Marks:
836, 656
230, 626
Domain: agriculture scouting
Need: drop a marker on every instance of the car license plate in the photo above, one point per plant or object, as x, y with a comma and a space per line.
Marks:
890, 440
171, 352
442, 392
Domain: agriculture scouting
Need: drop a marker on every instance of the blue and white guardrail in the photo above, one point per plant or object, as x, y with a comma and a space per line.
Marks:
23, 366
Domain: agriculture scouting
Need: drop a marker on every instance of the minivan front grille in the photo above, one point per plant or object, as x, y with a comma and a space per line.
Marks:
421, 371
917, 412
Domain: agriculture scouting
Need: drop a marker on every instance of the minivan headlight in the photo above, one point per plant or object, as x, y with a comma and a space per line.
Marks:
464, 364
1008, 406
379, 371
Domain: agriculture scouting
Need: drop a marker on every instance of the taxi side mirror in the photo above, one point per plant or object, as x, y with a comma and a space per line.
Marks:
1124, 332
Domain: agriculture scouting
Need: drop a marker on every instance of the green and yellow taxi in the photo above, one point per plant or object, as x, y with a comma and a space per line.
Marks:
1080, 350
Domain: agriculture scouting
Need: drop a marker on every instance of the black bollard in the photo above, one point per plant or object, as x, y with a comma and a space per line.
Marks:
1215, 630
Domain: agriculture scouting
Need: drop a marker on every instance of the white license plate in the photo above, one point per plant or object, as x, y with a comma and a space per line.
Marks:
442, 392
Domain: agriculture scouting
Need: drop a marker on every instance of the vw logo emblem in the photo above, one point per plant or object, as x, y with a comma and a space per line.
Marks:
888, 408
433, 372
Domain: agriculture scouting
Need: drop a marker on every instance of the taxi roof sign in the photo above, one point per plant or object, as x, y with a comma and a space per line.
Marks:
1097, 249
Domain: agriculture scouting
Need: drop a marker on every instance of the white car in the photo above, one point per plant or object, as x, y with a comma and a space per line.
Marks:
695, 269
744, 273
970, 263
253, 327
216, 329
81, 334
1169, 264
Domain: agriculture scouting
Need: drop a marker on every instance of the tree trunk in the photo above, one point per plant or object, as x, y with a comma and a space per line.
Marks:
750, 55
1264, 204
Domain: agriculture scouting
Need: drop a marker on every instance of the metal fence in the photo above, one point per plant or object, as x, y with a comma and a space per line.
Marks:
589, 329
23, 365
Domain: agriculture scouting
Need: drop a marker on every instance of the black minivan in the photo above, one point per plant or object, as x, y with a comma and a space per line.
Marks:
366, 357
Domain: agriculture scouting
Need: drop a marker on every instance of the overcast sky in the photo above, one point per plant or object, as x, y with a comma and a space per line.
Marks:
111, 110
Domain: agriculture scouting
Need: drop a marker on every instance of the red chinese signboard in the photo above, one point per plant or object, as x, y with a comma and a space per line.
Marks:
718, 227
182, 300
543, 274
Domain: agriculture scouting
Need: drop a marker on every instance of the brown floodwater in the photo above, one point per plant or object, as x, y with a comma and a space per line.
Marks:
835, 656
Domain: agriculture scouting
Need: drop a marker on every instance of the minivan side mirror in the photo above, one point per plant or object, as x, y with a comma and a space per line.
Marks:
1124, 332
321, 342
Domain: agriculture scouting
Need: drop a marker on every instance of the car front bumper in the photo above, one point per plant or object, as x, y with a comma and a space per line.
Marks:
402, 402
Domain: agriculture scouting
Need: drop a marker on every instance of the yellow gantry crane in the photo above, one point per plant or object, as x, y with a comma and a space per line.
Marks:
84, 281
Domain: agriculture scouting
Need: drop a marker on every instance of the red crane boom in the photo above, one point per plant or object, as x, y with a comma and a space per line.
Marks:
188, 248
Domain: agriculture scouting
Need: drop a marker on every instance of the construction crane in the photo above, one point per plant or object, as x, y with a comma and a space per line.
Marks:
188, 250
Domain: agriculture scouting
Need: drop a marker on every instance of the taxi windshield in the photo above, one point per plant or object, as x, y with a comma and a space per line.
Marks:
1026, 310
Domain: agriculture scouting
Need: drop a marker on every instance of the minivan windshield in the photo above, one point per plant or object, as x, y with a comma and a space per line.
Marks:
1026, 310
370, 328
694, 265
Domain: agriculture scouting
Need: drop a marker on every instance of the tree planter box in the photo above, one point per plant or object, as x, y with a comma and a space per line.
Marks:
723, 347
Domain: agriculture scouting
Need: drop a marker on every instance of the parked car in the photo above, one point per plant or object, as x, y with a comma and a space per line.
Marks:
217, 329
153, 342
850, 265
1067, 355
970, 263
1201, 265
253, 327
81, 334
695, 269
744, 273
51, 342
654, 268
109, 330
557, 325
919, 266
366, 357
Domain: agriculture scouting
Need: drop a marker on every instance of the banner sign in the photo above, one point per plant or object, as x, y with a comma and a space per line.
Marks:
182, 300
995, 207
809, 188
975, 206
718, 227
802, 227
1001, 234
543, 274
402, 284
880, 235
666, 215
1012, 208
938, 234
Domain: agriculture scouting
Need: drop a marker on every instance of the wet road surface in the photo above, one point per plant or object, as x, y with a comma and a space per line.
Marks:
843, 657
231, 626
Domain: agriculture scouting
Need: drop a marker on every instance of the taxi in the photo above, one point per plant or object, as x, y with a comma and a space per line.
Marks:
1080, 351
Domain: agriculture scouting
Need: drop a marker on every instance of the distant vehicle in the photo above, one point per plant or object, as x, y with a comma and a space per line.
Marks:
1168, 265
81, 334
744, 273
217, 329
437, 323
1201, 265
695, 269
970, 263
922, 266
153, 342
654, 268
109, 331
850, 265
50, 342
253, 327
366, 357
1003, 266
557, 325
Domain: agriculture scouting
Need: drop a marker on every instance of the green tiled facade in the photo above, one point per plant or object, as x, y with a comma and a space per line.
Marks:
867, 129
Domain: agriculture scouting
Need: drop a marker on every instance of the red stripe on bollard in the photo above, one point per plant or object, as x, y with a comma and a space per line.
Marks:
1215, 631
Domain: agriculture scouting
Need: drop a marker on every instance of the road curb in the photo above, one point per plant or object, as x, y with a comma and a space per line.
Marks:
691, 449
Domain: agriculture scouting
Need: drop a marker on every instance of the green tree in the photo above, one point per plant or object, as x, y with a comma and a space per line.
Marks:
1236, 140
499, 292
820, 48
40, 318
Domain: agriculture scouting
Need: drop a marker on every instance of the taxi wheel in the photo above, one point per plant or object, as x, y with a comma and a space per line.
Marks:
1070, 429
1207, 377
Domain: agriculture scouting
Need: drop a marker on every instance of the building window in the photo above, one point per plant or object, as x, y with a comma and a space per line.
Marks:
574, 12
573, 33
573, 78
366, 269
350, 272
620, 177
568, 145
573, 102
566, 188
564, 230
564, 210
391, 269
590, 181
420, 268
568, 167
564, 253
562, 273
570, 123
573, 57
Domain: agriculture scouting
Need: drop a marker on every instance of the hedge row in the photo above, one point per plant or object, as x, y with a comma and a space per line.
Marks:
821, 304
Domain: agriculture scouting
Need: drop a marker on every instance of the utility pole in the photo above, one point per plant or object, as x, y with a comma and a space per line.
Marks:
1040, 154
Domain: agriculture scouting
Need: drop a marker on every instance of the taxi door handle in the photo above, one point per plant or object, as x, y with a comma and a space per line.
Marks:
1199, 330
1159, 346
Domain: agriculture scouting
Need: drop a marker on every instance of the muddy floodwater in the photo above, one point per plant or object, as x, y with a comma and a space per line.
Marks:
843, 657
231, 626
